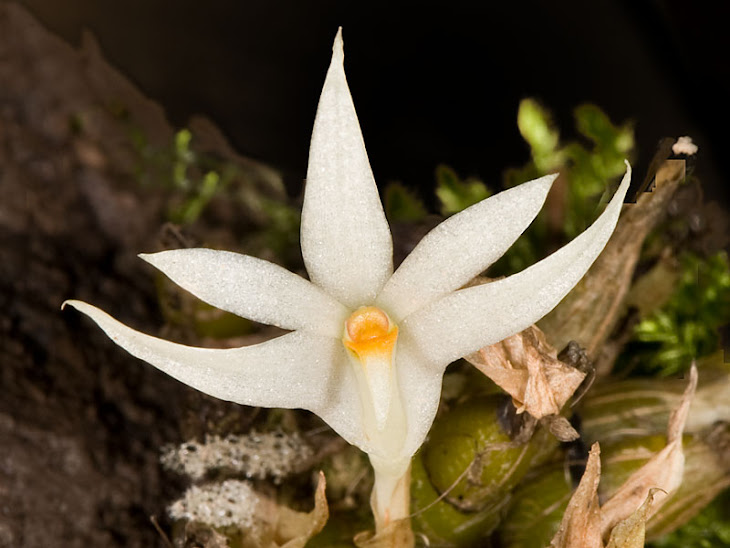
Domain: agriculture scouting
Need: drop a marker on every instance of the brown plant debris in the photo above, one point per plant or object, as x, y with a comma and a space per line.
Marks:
622, 519
581, 523
631, 532
528, 369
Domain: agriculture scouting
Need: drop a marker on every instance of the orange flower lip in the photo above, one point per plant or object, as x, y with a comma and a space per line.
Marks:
369, 331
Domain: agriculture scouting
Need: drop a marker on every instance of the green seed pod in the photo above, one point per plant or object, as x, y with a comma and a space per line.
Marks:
537, 508
641, 407
442, 522
632, 408
472, 462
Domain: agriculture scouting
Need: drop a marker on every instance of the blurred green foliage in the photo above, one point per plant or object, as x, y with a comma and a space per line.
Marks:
402, 205
195, 185
195, 179
666, 342
456, 194
588, 169
280, 236
708, 529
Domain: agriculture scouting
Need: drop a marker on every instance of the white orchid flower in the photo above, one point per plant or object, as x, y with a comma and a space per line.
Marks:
368, 346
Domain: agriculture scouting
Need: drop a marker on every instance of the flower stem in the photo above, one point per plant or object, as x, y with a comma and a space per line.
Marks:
390, 502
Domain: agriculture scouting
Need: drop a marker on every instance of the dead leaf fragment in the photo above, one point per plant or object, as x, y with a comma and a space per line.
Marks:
560, 427
527, 368
292, 529
581, 523
631, 532
397, 534
232, 512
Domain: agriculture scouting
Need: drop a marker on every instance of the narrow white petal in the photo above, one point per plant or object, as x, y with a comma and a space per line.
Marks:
252, 288
297, 370
420, 391
466, 320
461, 247
346, 242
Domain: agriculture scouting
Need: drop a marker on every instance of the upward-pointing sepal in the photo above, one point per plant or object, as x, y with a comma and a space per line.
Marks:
346, 242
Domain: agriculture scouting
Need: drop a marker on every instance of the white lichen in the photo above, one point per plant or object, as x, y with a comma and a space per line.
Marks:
230, 503
684, 145
272, 455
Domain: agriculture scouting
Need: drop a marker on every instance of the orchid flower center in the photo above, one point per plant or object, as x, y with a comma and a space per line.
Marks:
369, 330
371, 338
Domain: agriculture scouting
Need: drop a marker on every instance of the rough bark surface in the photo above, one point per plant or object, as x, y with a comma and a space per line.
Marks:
81, 422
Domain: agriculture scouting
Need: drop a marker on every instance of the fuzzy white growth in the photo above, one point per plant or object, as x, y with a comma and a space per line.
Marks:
232, 502
684, 145
273, 454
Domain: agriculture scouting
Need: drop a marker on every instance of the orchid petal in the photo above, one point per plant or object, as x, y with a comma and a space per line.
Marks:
252, 288
461, 247
466, 320
346, 242
296, 370
420, 393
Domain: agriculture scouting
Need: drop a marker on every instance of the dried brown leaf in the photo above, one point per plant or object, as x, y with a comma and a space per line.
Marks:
268, 524
581, 523
527, 368
631, 532
293, 529
560, 427
397, 534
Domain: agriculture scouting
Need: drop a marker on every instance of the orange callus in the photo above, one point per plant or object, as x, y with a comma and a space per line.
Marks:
369, 330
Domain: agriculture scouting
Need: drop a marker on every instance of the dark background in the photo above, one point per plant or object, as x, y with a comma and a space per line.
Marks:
432, 82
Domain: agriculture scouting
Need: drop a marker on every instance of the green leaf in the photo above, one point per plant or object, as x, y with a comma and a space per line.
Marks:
456, 194
402, 205
537, 129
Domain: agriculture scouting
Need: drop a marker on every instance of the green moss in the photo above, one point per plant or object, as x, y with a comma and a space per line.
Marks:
666, 342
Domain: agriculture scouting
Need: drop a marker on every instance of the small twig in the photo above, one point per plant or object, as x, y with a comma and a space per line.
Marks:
162, 534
